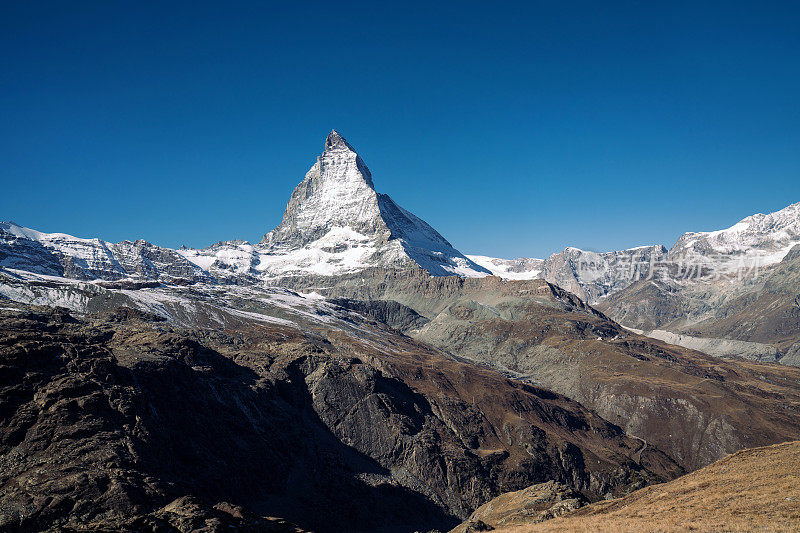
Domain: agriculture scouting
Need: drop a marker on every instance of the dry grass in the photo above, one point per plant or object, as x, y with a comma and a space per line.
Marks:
752, 490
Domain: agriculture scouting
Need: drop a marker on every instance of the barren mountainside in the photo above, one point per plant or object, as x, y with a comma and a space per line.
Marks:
130, 413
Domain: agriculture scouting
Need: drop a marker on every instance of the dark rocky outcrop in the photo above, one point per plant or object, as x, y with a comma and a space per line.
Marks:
530, 505
399, 316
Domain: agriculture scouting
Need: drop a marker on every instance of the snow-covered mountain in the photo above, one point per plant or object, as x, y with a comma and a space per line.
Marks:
762, 239
335, 223
754, 243
58, 254
522, 268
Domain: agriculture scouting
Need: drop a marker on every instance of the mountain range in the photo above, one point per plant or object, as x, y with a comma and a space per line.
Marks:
354, 360
336, 223
756, 242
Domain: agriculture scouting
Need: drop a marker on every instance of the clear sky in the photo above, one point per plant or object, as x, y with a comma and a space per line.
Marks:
514, 128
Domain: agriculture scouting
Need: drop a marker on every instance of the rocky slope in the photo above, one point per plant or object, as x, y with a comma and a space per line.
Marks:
751, 490
695, 407
285, 405
757, 318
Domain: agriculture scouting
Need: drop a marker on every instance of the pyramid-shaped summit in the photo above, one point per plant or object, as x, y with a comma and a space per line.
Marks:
336, 223
335, 141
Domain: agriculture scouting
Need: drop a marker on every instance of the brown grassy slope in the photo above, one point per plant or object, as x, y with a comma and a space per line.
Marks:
752, 490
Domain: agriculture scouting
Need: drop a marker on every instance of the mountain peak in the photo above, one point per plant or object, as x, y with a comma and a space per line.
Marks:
335, 141
336, 222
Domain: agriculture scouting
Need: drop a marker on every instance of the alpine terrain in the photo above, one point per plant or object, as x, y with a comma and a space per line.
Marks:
353, 371
729, 293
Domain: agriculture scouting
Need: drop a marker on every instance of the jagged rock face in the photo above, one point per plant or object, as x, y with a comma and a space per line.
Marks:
108, 419
592, 275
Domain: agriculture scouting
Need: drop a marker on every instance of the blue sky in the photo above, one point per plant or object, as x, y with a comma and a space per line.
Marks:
515, 129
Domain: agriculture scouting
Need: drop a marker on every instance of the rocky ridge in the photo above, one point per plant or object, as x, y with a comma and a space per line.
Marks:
751, 245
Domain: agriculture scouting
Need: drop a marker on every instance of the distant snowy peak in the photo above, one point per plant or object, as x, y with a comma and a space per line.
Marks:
767, 238
59, 254
335, 222
594, 275
590, 275
522, 268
